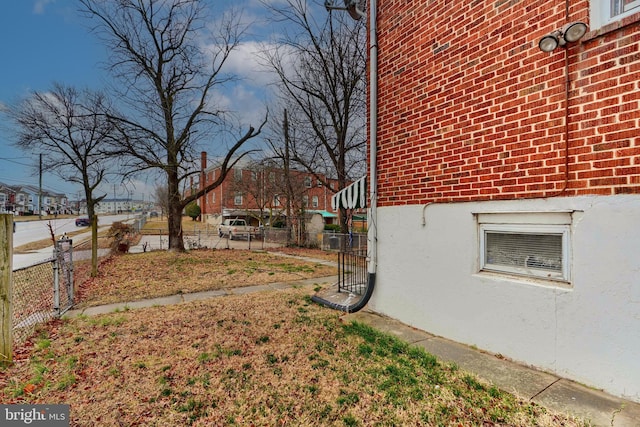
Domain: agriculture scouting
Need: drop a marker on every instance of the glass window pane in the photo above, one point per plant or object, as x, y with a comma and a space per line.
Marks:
537, 251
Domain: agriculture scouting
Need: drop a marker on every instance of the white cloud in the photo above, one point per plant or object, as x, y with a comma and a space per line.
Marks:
244, 61
40, 5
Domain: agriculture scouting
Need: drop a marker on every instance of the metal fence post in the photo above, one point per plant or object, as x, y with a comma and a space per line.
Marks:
63, 265
56, 279
70, 289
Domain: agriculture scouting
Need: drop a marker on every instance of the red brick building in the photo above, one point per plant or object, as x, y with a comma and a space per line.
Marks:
254, 192
471, 109
508, 180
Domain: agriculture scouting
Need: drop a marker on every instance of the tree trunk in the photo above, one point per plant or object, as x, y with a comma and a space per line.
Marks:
176, 242
93, 220
287, 176
94, 245
342, 183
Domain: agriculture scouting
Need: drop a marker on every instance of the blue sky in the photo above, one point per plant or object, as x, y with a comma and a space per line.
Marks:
42, 42
47, 41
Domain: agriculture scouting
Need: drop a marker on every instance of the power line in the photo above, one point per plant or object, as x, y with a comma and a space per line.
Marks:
33, 182
13, 160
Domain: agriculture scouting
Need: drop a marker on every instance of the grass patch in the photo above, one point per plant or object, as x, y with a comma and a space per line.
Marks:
269, 358
132, 277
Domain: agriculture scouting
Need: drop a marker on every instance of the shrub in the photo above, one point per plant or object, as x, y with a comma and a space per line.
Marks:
192, 210
120, 235
332, 227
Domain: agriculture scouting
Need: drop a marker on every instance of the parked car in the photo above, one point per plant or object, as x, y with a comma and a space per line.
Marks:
238, 227
153, 214
83, 222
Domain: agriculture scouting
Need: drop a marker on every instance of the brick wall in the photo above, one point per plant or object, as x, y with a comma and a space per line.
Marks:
225, 193
471, 109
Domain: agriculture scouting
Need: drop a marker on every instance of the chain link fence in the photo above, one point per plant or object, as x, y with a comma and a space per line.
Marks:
42, 291
343, 242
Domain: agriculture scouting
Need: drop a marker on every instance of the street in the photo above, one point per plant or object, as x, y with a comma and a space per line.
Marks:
33, 231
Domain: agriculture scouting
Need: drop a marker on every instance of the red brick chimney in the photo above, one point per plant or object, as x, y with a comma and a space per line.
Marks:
203, 183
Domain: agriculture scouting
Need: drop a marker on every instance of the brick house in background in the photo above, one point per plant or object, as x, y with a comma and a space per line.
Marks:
7, 198
251, 192
509, 180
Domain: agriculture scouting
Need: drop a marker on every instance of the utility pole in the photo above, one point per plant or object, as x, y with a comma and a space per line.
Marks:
40, 191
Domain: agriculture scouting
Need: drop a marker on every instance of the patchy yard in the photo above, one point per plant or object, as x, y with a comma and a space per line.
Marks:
270, 358
132, 277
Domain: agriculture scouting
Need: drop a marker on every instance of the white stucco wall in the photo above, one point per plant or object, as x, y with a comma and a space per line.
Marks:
589, 331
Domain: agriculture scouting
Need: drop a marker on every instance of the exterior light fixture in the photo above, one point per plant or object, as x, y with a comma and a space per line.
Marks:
569, 33
354, 7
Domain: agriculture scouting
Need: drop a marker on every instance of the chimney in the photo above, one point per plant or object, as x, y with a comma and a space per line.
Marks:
203, 183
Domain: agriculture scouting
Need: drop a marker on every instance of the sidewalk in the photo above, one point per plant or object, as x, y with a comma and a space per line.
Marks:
156, 242
196, 296
550, 391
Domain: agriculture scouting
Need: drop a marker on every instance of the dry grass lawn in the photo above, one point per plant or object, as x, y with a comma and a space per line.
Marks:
270, 358
265, 359
160, 273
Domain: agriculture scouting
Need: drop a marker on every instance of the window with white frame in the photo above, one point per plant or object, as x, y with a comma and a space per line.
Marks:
604, 12
305, 201
314, 201
237, 199
276, 200
307, 182
237, 173
526, 244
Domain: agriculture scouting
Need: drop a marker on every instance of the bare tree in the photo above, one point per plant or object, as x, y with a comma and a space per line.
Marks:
260, 185
321, 66
273, 191
162, 198
293, 183
70, 128
168, 83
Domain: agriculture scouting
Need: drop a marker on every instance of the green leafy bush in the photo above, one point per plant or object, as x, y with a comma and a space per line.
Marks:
332, 227
192, 210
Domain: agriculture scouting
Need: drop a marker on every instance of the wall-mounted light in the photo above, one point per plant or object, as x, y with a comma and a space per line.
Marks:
569, 33
354, 7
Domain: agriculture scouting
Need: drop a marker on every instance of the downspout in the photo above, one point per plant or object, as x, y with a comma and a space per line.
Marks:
372, 214
372, 217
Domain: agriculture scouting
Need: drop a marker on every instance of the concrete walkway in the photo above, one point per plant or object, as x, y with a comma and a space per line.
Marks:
545, 389
196, 296
553, 392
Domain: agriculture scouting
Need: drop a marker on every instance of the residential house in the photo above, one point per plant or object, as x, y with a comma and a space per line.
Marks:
7, 199
55, 203
118, 205
508, 180
26, 199
257, 193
